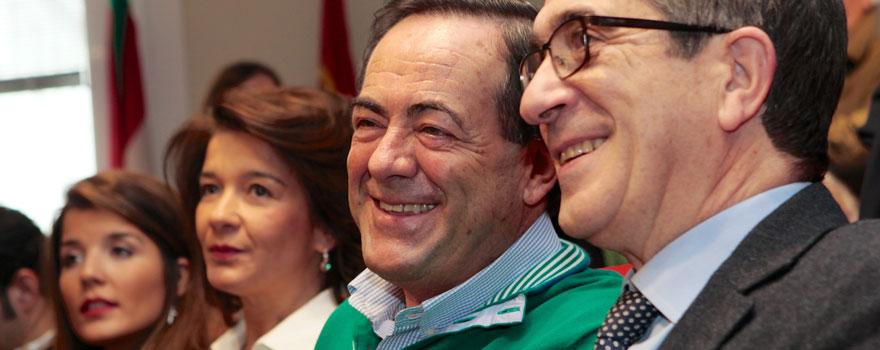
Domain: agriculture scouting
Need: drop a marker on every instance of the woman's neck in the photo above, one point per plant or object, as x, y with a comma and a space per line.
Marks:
135, 341
263, 312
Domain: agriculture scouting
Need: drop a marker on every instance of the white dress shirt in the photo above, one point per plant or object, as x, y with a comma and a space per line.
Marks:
41, 343
299, 330
383, 303
674, 277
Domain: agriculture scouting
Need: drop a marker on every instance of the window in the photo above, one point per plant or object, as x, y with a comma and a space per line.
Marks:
47, 137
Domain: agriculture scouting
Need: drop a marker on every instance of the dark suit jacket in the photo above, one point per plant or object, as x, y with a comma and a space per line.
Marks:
802, 279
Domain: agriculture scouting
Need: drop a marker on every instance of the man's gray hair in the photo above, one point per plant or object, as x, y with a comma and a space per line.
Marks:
810, 41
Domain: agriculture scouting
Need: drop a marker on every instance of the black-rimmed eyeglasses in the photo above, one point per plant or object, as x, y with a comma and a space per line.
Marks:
569, 45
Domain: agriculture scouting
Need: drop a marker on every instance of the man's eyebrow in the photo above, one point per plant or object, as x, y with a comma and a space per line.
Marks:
369, 104
421, 107
566, 16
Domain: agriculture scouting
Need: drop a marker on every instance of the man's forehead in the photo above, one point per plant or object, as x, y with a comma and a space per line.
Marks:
437, 40
428, 55
555, 12
430, 71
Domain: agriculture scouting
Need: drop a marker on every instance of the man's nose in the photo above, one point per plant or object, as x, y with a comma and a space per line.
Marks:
393, 156
545, 95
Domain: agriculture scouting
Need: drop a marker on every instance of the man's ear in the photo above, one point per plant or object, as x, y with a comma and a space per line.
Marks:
182, 276
24, 291
751, 57
541, 173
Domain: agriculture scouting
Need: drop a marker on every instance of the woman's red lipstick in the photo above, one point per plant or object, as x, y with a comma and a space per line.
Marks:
94, 307
223, 252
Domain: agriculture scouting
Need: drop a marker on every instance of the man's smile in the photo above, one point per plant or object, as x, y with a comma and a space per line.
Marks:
579, 149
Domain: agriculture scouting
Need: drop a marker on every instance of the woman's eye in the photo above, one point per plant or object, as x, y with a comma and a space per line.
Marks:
69, 260
260, 191
121, 252
207, 189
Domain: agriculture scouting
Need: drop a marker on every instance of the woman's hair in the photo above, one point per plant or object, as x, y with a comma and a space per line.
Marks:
232, 76
152, 207
311, 131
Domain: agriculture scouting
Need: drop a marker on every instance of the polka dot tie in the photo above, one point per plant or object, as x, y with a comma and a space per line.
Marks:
627, 322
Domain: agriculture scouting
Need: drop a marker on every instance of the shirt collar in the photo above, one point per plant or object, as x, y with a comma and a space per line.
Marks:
232, 339
42, 342
381, 302
299, 330
674, 277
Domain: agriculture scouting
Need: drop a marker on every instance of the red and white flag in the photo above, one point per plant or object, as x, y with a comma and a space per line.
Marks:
336, 69
128, 142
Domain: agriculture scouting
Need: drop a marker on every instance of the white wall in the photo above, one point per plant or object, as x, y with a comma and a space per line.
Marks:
281, 33
183, 44
96, 23
164, 65
163, 71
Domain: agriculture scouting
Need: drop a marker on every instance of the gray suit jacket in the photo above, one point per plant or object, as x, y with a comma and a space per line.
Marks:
802, 279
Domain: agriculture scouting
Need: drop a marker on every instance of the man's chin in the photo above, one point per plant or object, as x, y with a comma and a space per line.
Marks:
393, 268
578, 224
399, 266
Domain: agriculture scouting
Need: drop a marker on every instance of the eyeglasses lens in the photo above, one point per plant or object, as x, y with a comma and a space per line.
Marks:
568, 48
528, 67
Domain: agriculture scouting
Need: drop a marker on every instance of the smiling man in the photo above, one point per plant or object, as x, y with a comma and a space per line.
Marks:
448, 187
690, 135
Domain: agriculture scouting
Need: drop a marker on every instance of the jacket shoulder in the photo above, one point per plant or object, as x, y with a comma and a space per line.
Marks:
565, 315
346, 326
827, 299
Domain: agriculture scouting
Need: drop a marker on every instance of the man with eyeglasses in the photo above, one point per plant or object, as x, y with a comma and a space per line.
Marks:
690, 136
448, 187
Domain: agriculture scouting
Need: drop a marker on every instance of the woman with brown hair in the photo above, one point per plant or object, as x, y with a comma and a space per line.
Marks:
123, 272
264, 179
237, 77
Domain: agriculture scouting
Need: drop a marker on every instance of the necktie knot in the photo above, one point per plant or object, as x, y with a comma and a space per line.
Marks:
626, 322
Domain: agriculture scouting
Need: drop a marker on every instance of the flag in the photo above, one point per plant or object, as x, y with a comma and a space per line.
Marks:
336, 69
127, 139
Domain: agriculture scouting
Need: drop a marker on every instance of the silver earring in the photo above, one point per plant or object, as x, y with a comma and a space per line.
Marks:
172, 314
325, 262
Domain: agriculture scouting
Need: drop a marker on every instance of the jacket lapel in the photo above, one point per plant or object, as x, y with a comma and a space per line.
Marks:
705, 325
769, 250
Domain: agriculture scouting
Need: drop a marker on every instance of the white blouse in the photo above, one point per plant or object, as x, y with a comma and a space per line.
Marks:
41, 343
299, 330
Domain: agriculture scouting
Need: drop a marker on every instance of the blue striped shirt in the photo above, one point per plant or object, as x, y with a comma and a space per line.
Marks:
383, 303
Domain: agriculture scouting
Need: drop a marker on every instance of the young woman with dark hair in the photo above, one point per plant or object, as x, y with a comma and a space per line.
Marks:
124, 271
